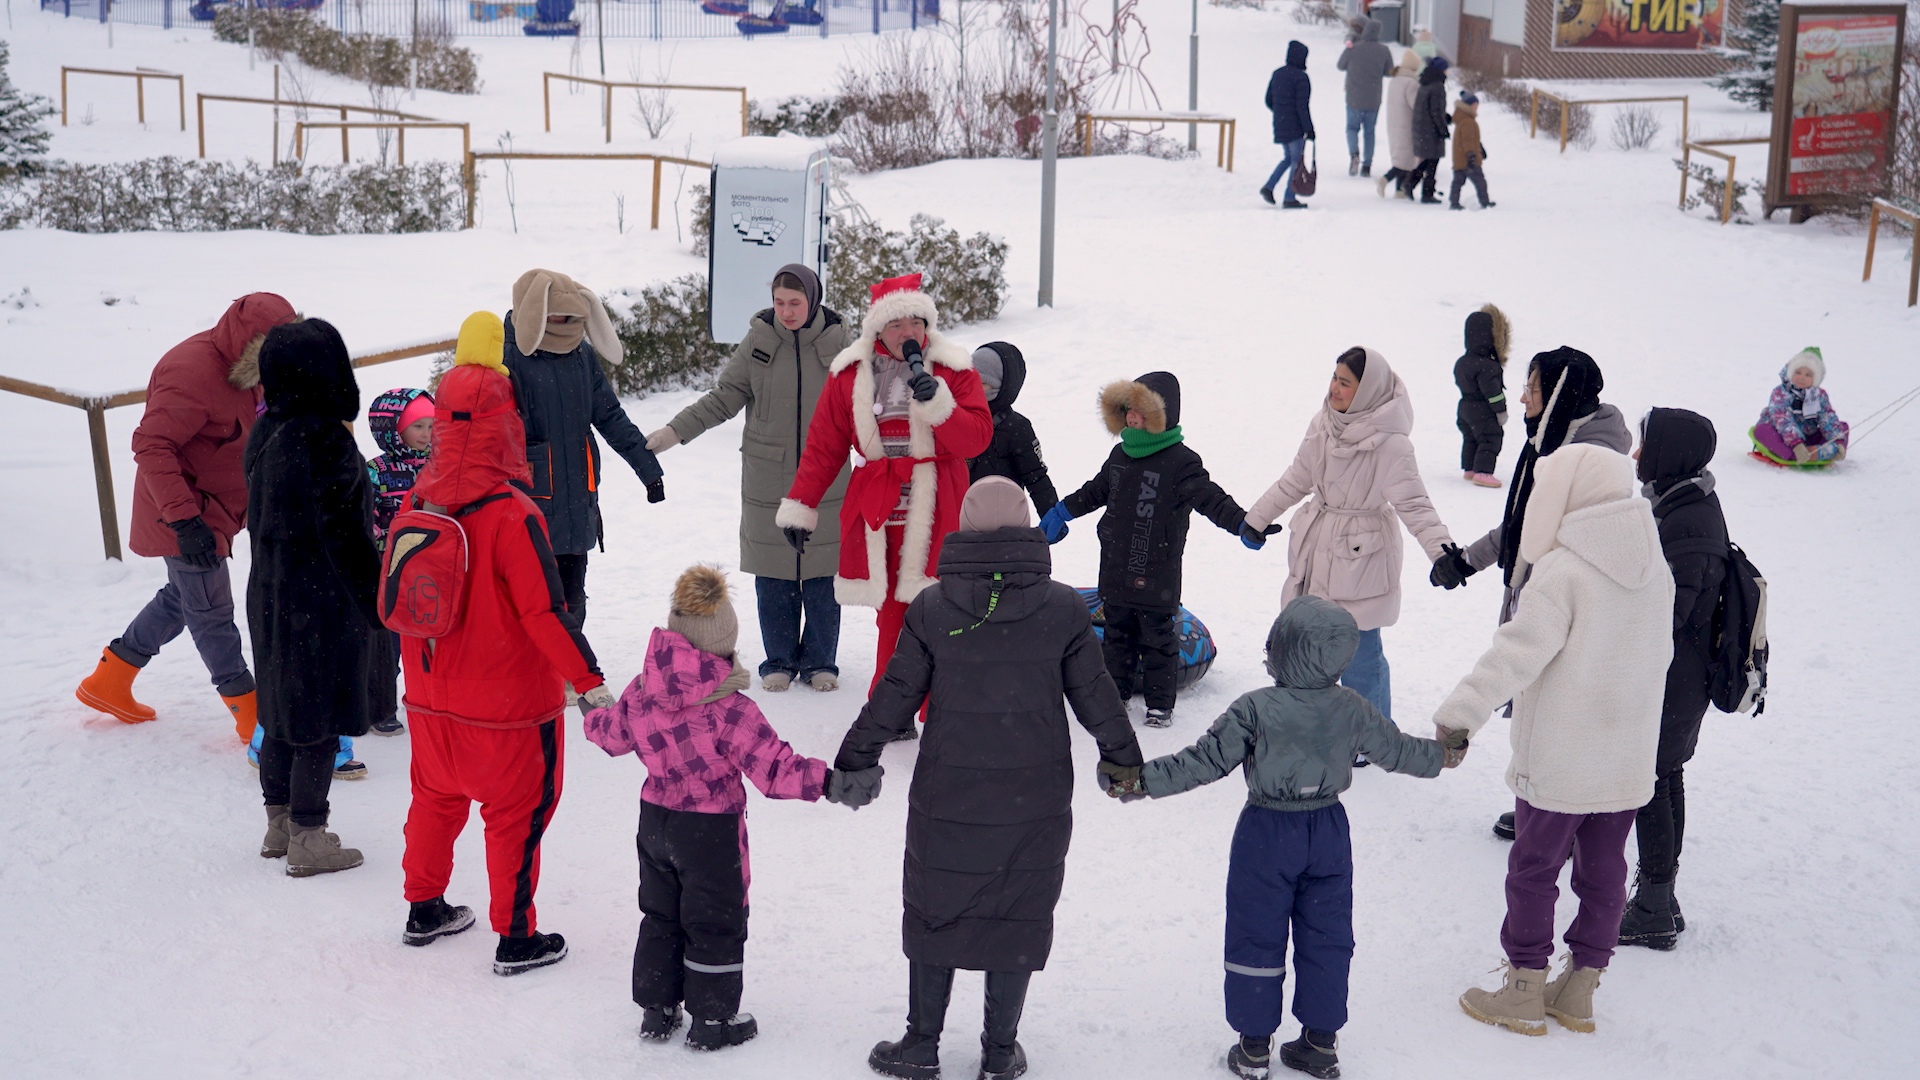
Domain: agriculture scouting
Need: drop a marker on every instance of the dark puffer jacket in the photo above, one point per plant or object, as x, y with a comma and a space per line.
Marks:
1676, 446
1430, 117
1015, 450
323, 661
1288, 92
563, 397
1479, 376
1148, 500
990, 815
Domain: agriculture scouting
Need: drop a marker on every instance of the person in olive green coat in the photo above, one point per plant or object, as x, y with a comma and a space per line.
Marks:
776, 375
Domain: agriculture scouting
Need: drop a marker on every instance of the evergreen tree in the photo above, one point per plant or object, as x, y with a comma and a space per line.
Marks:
1754, 42
23, 134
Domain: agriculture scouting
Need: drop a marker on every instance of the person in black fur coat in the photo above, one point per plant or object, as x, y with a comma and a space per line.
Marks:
1480, 375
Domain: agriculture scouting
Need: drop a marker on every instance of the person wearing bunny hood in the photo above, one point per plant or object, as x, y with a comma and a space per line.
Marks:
687, 720
907, 400
557, 337
485, 701
1584, 662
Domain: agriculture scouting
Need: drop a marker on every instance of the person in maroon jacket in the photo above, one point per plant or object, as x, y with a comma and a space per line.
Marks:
485, 701
189, 501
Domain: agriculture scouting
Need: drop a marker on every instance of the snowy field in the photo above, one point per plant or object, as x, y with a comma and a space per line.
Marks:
144, 938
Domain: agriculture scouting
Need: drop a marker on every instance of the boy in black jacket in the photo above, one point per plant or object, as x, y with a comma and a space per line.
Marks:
1150, 484
1015, 450
1482, 415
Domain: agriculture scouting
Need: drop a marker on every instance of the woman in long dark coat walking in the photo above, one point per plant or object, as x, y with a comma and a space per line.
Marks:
990, 810
322, 659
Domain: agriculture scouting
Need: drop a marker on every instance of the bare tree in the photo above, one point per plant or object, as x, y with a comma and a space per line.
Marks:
653, 106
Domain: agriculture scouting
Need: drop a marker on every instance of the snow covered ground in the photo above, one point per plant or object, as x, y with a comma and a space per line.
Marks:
144, 938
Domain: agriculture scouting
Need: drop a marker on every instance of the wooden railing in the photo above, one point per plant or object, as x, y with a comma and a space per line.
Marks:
471, 173
606, 96
139, 77
1567, 105
1912, 218
1227, 127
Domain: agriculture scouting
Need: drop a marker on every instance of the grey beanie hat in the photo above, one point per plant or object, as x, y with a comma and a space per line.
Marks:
994, 502
702, 612
992, 368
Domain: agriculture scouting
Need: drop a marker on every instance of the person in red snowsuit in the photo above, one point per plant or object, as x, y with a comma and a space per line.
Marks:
911, 434
485, 701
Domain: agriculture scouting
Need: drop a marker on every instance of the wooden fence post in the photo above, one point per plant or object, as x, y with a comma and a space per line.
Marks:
470, 184
343, 135
200, 121
1565, 109
63, 97
103, 477
1873, 233
140, 97
1533, 115
546, 100
656, 194
182, 84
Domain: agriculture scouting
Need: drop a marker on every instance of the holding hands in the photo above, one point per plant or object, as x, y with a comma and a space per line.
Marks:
1055, 523
854, 789
1257, 538
597, 698
1122, 781
1455, 740
1451, 570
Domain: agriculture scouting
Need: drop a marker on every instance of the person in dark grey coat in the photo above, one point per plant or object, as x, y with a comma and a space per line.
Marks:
990, 809
323, 660
1292, 864
1288, 94
1676, 446
557, 334
1367, 62
1430, 128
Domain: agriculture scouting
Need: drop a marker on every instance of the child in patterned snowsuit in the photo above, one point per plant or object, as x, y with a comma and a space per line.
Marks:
402, 424
1799, 426
697, 734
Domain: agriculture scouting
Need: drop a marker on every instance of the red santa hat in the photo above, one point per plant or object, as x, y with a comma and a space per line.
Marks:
898, 298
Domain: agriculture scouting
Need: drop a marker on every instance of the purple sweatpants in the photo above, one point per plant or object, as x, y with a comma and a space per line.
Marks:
1542, 843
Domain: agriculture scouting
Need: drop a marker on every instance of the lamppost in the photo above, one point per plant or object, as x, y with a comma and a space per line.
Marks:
1049, 154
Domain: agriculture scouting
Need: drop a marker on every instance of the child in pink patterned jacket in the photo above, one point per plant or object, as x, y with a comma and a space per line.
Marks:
697, 734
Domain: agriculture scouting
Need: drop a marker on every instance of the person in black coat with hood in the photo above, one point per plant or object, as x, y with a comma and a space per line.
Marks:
990, 812
1480, 376
1676, 446
322, 659
1288, 92
1015, 450
1431, 125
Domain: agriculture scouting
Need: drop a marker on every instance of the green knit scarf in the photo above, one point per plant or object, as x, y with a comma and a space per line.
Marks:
1139, 442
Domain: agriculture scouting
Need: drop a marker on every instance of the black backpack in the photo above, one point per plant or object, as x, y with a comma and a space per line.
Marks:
1738, 664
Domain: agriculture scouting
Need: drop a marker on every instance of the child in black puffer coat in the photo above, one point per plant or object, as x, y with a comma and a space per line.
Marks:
1150, 484
1482, 415
1015, 450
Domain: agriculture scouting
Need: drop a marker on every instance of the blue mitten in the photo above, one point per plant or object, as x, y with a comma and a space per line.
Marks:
1055, 523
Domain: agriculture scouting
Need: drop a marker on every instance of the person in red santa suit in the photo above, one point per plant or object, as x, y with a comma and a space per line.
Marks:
906, 402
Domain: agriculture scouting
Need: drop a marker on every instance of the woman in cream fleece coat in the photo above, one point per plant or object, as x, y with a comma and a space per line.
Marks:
1584, 662
1357, 462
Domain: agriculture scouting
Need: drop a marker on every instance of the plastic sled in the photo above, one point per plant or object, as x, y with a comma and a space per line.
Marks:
1197, 651
760, 24
725, 7
1766, 457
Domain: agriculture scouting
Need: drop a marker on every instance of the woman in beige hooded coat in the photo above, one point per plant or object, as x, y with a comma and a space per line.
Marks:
1401, 90
1357, 462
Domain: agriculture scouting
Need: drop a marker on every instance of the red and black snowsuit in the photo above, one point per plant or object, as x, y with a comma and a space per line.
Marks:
484, 702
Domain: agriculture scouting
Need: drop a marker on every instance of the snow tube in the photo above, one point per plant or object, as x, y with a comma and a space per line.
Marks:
800, 16
1197, 651
559, 29
725, 7
760, 24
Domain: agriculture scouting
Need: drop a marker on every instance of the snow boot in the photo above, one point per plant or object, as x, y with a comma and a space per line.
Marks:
390, 726
1503, 826
1293, 204
1312, 1053
1251, 1058
1679, 920
515, 955
658, 1023
917, 1055
914, 1057
1486, 480
350, 769
430, 920
1267, 194
776, 682
110, 690
1003, 1064
720, 1034
246, 715
1366, 168
1429, 200
1569, 996
311, 850
1159, 718
274, 844
1649, 920
1353, 165
1520, 1005
826, 682
1001, 1056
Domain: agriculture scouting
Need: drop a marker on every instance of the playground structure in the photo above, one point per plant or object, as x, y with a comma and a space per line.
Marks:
607, 87
139, 77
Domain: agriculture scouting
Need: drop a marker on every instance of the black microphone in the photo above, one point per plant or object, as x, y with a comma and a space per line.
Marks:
910, 352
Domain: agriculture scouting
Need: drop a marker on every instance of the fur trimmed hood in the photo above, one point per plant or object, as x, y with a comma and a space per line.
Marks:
241, 331
1488, 333
1156, 395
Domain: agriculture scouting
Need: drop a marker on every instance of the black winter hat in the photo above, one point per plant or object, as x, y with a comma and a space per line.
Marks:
1570, 382
1168, 387
1013, 373
1676, 445
305, 371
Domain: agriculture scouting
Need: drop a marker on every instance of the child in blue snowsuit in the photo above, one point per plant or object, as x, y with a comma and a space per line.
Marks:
1292, 861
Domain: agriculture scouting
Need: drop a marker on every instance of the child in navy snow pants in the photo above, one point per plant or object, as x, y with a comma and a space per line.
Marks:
1289, 870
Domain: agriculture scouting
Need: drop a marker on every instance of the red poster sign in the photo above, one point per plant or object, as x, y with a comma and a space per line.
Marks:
1845, 69
1638, 25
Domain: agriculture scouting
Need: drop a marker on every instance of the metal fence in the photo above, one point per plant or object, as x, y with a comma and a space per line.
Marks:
658, 19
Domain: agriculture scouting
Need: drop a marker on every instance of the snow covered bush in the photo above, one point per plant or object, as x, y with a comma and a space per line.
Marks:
815, 118
965, 276
1317, 13
383, 61
172, 194
1712, 189
23, 130
663, 331
1635, 128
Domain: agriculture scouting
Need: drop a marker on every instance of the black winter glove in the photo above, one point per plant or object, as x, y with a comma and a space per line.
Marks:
1256, 538
855, 789
924, 385
198, 547
1122, 781
1451, 570
657, 491
797, 538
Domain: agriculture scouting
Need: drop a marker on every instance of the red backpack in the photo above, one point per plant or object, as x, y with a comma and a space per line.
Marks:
423, 575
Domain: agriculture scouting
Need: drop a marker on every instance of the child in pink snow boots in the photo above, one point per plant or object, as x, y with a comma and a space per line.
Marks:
1480, 375
1799, 426
697, 734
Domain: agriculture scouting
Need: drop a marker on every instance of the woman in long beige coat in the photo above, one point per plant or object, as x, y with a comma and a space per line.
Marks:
1357, 464
1401, 90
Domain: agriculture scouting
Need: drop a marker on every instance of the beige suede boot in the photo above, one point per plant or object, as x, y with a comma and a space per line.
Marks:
1569, 997
274, 844
311, 850
1520, 1005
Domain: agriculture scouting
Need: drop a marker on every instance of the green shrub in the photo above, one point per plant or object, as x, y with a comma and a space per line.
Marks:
965, 277
663, 331
816, 118
383, 61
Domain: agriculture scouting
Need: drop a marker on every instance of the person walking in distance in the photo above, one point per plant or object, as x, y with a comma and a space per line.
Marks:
189, 502
1366, 63
1288, 94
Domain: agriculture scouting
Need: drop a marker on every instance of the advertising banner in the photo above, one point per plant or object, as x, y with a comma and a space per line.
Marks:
1836, 97
1668, 26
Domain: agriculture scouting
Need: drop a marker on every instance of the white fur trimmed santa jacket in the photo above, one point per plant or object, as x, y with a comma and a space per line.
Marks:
945, 431
1584, 659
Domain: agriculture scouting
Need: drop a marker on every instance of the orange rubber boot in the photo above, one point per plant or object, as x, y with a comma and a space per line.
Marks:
245, 714
110, 689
